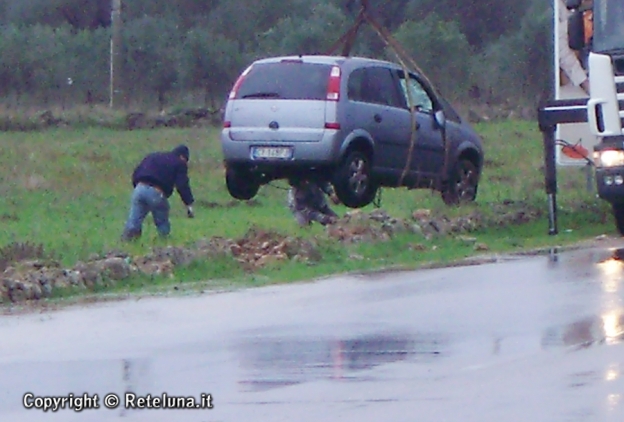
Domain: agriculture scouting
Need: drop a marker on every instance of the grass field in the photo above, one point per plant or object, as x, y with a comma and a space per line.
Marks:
69, 190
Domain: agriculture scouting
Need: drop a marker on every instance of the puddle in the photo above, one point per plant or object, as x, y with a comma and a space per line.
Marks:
607, 329
277, 362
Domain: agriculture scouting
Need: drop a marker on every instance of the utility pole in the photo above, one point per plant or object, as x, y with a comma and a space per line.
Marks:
116, 64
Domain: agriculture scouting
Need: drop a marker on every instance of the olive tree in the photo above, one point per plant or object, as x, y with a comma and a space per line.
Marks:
152, 49
440, 50
209, 62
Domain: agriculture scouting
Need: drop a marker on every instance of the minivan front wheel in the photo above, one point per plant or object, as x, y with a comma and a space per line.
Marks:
240, 184
462, 184
353, 180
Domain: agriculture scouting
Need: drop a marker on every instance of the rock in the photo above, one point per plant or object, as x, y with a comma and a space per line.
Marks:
18, 293
441, 226
153, 268
421, 214
4, 292
356, 257
601, 237
481, 247
467, 239
70, 277
416, 229
269, 259
90, 274
417, 247
35, 291
378, 215
177, 255
115, 268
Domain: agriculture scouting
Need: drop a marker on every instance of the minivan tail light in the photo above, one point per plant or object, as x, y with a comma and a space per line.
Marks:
335, 126
238, 83
333, 86
227, 124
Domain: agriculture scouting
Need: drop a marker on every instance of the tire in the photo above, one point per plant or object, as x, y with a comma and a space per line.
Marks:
618, 216
463, 183
353, 180
240, 184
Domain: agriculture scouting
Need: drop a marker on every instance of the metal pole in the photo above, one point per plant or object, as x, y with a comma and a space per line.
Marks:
550, 177
589, 177
116, 64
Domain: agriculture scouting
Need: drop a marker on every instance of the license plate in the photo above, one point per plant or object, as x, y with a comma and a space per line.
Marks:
277, 153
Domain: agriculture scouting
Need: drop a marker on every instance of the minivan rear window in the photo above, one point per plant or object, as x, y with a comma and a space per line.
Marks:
291, 80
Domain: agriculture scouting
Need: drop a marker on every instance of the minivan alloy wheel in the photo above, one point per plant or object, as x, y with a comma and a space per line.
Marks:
467, 183
463, 183
353, 182
358, 180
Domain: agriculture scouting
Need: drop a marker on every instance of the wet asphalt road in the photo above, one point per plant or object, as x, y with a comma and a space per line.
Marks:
527, 339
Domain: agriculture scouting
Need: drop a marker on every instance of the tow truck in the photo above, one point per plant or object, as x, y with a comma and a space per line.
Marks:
603, 111
605, 107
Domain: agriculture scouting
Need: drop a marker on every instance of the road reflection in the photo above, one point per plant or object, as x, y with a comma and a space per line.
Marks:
276, 362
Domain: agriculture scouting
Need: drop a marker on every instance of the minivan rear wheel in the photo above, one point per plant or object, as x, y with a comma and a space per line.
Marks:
240, 184
353, 180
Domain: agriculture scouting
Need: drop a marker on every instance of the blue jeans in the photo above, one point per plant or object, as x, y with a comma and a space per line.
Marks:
146, 199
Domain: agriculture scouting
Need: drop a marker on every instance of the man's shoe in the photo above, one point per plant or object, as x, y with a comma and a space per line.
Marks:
130, 236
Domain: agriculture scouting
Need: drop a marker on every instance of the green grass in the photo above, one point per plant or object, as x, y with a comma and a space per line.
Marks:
69, 190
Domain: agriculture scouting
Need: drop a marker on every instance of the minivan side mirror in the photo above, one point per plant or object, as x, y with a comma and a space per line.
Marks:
440, 119
576, 31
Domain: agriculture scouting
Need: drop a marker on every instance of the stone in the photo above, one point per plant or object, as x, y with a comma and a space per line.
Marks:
481, 247
115, 268
421, 214
467, 239
378, 215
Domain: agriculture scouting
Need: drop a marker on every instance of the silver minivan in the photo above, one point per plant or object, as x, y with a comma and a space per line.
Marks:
356, 122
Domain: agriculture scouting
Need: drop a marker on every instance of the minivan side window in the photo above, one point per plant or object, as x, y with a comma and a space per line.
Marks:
373, 85
419, 97
355, 85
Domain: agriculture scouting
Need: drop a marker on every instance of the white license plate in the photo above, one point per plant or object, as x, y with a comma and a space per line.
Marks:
279, 153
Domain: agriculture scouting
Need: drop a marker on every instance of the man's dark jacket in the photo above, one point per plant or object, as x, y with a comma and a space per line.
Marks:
165, 170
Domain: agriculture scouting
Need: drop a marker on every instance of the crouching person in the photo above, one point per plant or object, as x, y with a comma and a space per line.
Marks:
154, 180
307, 201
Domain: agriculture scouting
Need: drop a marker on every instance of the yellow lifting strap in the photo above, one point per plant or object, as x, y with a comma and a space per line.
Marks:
407, 62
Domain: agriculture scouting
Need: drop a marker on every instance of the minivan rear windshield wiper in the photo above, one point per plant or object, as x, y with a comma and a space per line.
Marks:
262, 95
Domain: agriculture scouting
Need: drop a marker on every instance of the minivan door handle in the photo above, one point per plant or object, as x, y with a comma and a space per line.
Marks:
378, 118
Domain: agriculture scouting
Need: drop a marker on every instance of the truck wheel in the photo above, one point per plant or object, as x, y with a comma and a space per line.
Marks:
240, 184
353, 180
618, 216
463, 183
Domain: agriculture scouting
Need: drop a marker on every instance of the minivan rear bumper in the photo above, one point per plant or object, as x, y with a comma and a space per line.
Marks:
304, 154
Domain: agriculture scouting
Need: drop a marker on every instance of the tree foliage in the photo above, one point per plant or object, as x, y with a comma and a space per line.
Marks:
493, 50
431, 42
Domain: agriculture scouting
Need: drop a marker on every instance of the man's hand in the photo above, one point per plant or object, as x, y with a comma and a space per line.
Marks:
189, 212
334, 199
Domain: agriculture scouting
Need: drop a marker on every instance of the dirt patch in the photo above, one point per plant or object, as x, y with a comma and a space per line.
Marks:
357, 226
9, 217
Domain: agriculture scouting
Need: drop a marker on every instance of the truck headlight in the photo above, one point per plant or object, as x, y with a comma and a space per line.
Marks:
610, 158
